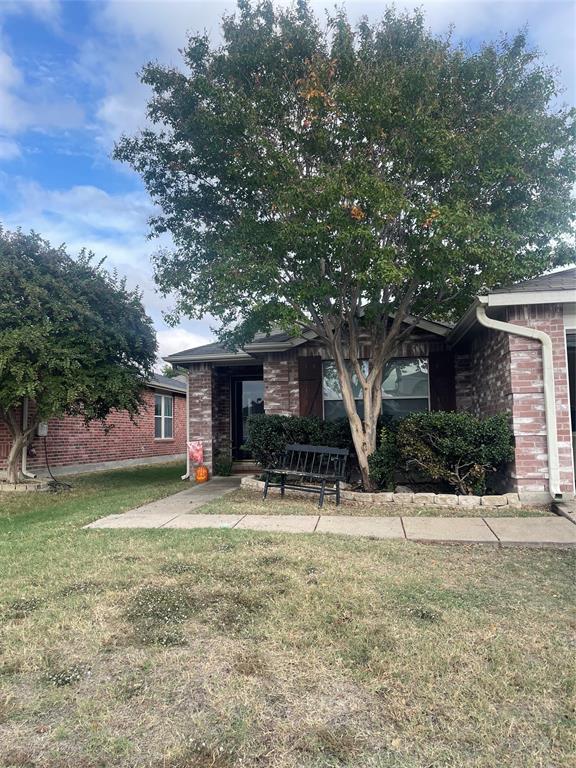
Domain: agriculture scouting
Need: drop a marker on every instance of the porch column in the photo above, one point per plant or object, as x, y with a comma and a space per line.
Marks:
201, 399
281, 389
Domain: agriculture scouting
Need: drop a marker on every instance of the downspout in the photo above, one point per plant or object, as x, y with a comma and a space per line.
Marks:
187, 475
549, 394
24, 457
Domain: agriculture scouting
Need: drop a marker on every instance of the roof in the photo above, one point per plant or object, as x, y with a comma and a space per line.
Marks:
565, 280
554, 288
276, 341
176, 384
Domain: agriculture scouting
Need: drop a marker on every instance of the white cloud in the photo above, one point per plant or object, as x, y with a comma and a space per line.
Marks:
166, 23
48, 10
173, 340
131, 33
8, 149
24, 106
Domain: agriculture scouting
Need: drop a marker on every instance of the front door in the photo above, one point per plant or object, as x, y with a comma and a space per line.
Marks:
247, 400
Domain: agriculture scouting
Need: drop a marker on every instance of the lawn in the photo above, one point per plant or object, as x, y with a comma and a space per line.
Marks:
229, 649
247, 500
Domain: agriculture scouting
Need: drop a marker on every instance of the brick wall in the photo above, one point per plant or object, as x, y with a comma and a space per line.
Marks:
70, 441
221, 410
281, 387
531, 469
502, 373
201, 386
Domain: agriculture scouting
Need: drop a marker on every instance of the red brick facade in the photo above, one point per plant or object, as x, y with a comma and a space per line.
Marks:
281, 386
502, 373
202, 407
211, 388
489, 372
70, 442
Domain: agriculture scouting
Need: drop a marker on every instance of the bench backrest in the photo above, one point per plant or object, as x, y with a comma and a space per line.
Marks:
316, 459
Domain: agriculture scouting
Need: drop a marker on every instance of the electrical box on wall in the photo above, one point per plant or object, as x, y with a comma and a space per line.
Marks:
42, 429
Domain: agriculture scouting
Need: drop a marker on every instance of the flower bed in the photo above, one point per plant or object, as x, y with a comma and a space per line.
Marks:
511, 500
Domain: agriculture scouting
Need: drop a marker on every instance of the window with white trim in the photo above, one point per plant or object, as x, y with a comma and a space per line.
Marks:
404, 388
163, 417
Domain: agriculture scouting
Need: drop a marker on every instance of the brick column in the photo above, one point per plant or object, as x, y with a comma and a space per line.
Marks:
281, 389
201, 418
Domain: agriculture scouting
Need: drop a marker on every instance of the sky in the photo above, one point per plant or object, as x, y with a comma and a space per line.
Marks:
69, 89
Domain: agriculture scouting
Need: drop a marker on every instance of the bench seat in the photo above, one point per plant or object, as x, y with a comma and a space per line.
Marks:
321, 464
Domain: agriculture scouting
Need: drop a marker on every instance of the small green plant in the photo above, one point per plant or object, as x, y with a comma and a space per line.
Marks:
20, 608
223, 465
457, 448
161, 605
177, 567
66, 676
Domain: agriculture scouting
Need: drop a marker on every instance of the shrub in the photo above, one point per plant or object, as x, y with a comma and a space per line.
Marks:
383, 462
269, 435
223, 465
457, 448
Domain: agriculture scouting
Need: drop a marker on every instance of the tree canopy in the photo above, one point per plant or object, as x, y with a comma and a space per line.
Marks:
341, 179
73, 338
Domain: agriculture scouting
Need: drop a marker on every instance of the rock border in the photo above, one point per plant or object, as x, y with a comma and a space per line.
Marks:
38, 485
511, 500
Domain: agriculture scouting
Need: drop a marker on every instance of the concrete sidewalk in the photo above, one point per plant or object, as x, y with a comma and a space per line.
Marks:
181, 511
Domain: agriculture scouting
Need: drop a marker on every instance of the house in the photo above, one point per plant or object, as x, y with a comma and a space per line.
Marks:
158, 433
512, 352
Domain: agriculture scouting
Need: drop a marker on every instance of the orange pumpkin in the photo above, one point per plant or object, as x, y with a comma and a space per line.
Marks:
201, 475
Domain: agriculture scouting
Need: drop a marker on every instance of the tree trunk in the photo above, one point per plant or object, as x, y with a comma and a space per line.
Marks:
12, 417
364, 431
13, 462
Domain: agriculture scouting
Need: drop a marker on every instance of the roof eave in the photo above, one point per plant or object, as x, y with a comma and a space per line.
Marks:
168, 388
465, 324
218, 358
516, 298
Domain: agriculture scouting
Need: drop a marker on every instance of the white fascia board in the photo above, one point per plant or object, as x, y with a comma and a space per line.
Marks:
516, 298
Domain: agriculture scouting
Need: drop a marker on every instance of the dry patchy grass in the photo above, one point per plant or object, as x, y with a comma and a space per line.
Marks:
245, 501
233, 649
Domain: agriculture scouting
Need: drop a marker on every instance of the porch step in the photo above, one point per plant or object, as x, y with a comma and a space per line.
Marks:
245, 468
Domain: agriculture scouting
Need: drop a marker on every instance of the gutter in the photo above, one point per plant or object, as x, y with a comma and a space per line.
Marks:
187, 475
24, 456
549, 394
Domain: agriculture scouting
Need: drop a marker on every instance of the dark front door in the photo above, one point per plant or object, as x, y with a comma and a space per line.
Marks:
247, 400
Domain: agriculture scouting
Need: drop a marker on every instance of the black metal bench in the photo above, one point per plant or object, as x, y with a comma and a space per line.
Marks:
314, 465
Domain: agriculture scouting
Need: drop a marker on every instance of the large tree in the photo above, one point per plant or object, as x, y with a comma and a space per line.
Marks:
73, 339
351, 181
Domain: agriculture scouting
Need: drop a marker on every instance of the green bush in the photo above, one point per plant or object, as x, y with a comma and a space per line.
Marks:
384, 461
456, 448
268, 436
223, 465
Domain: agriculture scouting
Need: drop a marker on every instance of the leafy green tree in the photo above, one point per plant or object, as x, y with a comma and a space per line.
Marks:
172, 371
351, 180
73, 338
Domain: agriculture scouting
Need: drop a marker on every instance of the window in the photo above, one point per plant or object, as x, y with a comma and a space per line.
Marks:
163, 417
404, 388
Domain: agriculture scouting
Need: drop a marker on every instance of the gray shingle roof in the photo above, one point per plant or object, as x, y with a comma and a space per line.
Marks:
167, 382
565, 280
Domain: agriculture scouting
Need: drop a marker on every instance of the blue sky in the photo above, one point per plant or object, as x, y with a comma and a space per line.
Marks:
68, 90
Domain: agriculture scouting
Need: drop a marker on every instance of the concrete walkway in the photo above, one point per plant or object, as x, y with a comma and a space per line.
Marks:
181, 511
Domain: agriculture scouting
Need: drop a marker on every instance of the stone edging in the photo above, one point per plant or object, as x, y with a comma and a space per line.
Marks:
438, 499
39, 485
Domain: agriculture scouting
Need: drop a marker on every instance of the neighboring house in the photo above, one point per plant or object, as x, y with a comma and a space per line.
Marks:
158, 433
468, 367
